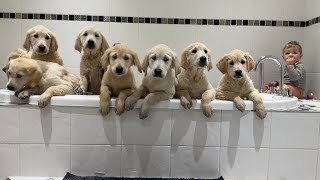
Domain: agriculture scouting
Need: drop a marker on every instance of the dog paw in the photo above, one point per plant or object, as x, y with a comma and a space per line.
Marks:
129, 104
185, 103
104, 108
43, 101
23, 94
79, 91
241, 106
119, 109
261, 113
207, 111
143, 115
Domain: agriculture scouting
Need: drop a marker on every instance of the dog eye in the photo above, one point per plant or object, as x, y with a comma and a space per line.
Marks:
154, 58
231, 63
35, 36
126, 58
243, 61
114, 57
85, 34
19, 76
205, 51
47, 37
194, 51
96, 35
166, 59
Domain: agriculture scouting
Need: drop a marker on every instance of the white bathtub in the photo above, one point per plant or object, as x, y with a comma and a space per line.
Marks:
271, 101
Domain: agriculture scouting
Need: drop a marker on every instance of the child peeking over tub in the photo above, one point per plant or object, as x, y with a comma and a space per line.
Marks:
294, 77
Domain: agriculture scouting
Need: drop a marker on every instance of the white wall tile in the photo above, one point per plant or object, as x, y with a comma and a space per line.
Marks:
10, 6
292, 164
88, 126
49, 125
42, 160
301, 130
191, 127
95, 7
124, 8
9, 124
244, 163
194, 162
245, 129
145, 161
9, 160
154, 130
88, 160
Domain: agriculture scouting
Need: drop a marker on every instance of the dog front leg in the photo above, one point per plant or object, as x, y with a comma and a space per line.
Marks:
150, 100
239, 103
258, 104
185, 99
105, 94
206, 99
59, 90
133, 98
83, 85
120, 102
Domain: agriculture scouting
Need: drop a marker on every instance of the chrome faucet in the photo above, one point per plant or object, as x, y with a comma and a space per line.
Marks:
260, 62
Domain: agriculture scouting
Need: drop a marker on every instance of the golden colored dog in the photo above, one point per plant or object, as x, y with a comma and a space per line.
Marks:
236, 84
29, 76
160, 65
119, 79
192, 82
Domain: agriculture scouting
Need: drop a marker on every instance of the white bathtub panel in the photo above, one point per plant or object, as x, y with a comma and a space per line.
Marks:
318, 167
194, 162
9, 160
88, 126
191, 127
9, 124
244, 163
245, 129
89, 160
154, 130
294, 130
145, 161
48, 125
292, 164
42, 160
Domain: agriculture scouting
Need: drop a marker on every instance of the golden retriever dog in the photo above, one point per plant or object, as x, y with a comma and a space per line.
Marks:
43, 43
92, 44
32, 77
119, 79
192, 81
160, 66
235, 84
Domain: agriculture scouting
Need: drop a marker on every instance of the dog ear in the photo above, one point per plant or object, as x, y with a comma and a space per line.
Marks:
175, 64
250, 62
145, 64
34, 75
27, 40
105, 59
209, 62
54, 43
136, 62
222, 64
78, 44
184, 60
104, 44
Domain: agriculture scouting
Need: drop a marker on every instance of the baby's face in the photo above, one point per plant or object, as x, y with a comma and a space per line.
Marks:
292, 54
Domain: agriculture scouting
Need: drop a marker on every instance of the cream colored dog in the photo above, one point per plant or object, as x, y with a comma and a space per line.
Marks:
160, 65
43, 43
119, 79
236, 84
92, 44
29, 76
192, 82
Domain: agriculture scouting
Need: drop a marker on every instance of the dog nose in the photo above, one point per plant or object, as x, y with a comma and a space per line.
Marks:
42, 47
119, 70
11, 88
157, 72
90, 43
203, 59
238, 73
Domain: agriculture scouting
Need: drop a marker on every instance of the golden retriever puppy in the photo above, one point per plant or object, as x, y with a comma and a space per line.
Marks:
44, 45
32, 77
192, 81
235, 84
92, 44
160, 66
119, 79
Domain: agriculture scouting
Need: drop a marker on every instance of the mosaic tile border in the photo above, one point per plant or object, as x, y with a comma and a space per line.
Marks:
154, 20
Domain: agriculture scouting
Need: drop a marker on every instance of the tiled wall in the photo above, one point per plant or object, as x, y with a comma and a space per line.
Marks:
169, 143
259, 27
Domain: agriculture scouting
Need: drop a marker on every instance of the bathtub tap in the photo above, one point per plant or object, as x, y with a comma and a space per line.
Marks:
261, 75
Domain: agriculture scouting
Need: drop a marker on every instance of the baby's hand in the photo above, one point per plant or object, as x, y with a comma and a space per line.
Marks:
290, 61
